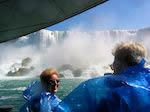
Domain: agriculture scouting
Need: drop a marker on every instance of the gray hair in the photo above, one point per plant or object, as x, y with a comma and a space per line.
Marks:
129, 53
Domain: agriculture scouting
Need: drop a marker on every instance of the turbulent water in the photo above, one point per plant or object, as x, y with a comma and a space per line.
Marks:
74, 53
11, 91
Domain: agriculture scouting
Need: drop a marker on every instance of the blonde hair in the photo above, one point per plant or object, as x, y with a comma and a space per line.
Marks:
129, 53
47, 73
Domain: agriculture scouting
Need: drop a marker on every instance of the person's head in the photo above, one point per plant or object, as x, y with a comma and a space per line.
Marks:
50, 80
127, 54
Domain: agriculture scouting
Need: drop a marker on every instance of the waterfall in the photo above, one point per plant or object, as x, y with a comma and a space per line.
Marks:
84, 53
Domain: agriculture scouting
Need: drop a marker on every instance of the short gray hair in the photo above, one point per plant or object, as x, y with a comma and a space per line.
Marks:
129, 53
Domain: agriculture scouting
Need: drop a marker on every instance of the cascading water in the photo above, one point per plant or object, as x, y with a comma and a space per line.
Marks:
73, 53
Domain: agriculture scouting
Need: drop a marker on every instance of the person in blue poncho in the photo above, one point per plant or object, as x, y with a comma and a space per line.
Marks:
127, 89
40, 95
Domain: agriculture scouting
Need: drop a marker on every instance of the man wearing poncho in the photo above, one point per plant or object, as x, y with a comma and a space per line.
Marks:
125, 90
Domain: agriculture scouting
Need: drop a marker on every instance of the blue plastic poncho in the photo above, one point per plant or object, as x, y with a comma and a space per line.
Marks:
39, 100
128, 91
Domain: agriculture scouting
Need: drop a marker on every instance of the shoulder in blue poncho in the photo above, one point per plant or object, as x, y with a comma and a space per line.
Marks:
38, 100
128, 91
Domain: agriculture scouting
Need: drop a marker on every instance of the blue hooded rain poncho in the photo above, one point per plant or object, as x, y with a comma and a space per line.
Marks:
128, 91
38, 100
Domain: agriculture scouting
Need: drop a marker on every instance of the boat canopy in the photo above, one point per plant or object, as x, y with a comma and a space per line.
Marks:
21, 17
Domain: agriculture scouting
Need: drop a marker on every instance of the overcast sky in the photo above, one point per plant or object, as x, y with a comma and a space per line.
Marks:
114, 14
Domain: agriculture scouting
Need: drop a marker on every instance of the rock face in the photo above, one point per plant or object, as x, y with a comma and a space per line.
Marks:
66, 67
20, 72
26, 61
77, 72
21, 69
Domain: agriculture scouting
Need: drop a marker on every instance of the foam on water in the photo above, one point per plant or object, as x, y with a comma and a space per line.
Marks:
8, 97
16, 77
88, 51
14, 89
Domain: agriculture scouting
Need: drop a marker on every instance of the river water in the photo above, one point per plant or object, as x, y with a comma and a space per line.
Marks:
11, 91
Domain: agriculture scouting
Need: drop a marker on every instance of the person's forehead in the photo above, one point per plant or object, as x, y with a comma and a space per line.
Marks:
53, 76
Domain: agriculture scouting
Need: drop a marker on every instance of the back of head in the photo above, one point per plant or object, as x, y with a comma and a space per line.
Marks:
129, 53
